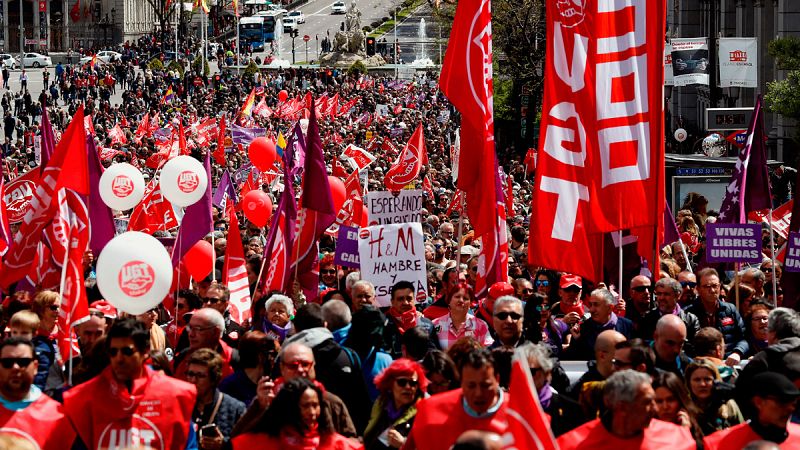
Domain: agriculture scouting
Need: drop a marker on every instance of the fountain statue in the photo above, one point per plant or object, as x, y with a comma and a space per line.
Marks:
422, 59
349, 43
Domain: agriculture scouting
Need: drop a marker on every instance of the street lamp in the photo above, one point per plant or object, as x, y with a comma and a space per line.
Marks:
396, 10
294, 35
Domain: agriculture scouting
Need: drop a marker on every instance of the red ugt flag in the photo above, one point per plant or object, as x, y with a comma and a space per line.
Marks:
235, 274
407, 166
528, 425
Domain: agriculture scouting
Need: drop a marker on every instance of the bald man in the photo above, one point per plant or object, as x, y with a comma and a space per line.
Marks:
478, 440
602, 366
640, 296
668, 343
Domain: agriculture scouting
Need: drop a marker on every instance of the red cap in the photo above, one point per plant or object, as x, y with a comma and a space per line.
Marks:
104, 307
568, 280
500, 289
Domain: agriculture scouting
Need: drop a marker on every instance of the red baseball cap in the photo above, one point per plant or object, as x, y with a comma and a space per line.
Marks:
569, 279
500, 289
104, 307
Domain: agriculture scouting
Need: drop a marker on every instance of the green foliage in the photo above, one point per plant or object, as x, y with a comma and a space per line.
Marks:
196, 66
786, 52
356, 68
176, 66
155, 64
783, 96
503, 98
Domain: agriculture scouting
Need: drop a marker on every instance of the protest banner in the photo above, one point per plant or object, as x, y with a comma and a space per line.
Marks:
690, 61
385, 207
391, 253
792, 261
347, 247
733, 242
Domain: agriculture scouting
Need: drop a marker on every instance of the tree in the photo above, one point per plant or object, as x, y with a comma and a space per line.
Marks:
783, 96
164, 9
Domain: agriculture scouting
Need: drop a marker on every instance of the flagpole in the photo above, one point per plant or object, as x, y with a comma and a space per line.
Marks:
772, 256
619, 287
214, 260
460, 230
63, 283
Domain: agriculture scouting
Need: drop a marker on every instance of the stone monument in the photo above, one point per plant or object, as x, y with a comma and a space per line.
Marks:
348, 45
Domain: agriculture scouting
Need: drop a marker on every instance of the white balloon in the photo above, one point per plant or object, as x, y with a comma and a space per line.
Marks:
121, 186
183, 180
134, 272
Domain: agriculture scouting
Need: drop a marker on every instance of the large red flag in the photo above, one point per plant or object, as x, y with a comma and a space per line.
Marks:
602, 140
528, 425
68, 168
466, 80
234, 274
219, 153
153, 213
407, 166
493, 260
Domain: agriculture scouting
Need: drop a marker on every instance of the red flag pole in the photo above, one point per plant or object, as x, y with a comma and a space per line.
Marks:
619, 286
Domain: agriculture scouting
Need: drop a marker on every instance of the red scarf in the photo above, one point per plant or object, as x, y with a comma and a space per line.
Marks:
292, 440
404, 321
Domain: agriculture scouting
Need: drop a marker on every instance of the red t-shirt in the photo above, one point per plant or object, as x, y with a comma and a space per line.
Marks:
740, 435
658, 436
42, 423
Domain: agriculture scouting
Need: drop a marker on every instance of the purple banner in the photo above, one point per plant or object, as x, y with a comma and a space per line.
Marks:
347, 247
729, 242
792, 263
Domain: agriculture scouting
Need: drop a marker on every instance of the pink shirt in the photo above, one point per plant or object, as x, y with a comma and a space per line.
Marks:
472, 327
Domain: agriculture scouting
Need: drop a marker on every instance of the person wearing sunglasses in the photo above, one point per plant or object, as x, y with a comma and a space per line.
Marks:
640, 295
46, 304
688, 281
401, 386
668, 290
327, 273
114, 403
296, 361
507, 322
570, 308
24, 407
218, 297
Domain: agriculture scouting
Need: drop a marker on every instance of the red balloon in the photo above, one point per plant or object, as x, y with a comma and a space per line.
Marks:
199, 260
283, 95
338, 192
257, 207
262, 153
364, 217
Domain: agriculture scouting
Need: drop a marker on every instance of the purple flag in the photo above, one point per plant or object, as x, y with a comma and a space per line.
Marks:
100, 218
749, 187
244, 136
5, 233
671, 233
196, 223
48, 138
790, 281
224, 192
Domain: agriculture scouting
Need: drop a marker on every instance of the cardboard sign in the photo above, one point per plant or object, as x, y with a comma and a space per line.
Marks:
347, 247
385, 207
392, 253
727, 242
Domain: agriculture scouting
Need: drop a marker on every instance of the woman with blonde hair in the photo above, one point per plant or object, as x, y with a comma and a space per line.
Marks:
717, 411
46, 305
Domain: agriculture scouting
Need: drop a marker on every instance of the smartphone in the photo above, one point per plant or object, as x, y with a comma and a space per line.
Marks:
210, 430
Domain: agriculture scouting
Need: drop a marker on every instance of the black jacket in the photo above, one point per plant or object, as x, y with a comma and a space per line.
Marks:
565, 414
648, 325
782, 357
728, 321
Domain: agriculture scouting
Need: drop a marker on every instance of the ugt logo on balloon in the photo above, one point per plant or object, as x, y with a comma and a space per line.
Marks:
136, 278
122, 186
188, 181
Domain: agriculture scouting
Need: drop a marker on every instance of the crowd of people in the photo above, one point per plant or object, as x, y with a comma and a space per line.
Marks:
684, 357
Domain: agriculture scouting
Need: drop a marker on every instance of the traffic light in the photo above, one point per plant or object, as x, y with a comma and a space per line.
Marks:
370, 46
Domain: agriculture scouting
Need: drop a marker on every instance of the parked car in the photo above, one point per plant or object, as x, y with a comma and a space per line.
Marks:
289, 24
103, 56
338, 8
298, 16
9, 61
277, 8
36, 60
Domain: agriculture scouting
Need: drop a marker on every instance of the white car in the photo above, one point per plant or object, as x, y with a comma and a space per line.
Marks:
36, 60
8, 61
104, 56
338, 8
289, 24
298, 16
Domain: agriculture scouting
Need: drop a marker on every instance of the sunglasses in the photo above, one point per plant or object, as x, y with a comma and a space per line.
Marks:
543, 283
126, 351
642, 288
406, 382
327, 272
690, 284
766, 269
212, 300
295, 365
573, 289
197, 375
473, 269
541, 308
9, 363
505, 315
54, 307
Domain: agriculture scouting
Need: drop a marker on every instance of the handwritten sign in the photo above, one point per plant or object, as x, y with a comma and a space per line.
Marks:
392, 253
733, 243
385, 207
347, 247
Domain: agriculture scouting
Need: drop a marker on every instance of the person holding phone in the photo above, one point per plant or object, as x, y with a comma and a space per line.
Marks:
214, 413
401, 386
